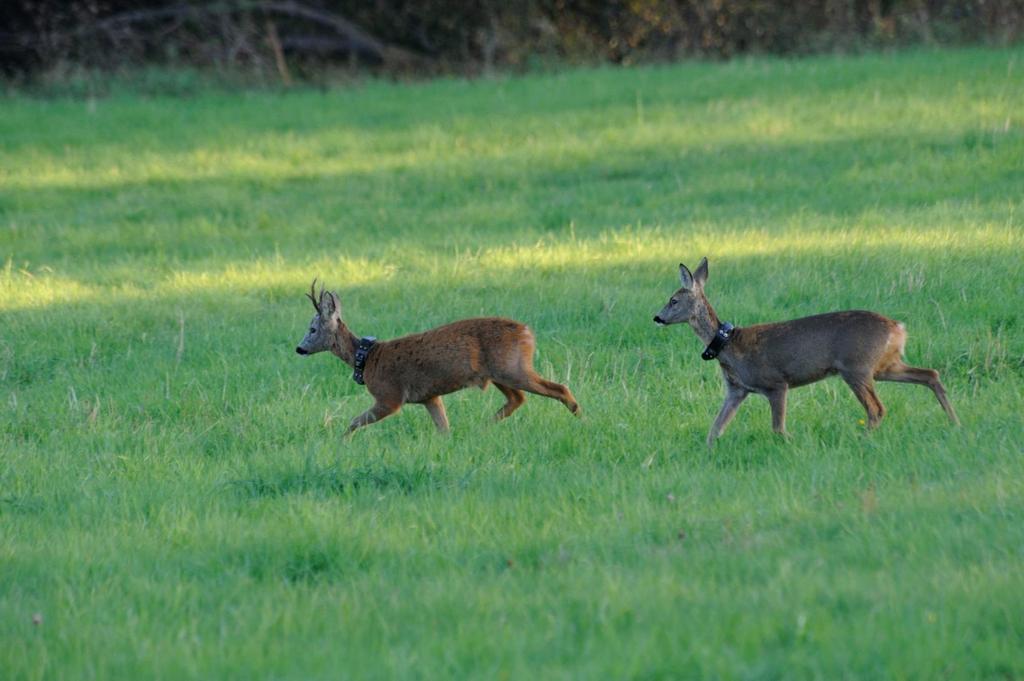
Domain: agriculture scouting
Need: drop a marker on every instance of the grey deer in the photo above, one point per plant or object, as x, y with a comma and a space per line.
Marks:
422, 367
769, 359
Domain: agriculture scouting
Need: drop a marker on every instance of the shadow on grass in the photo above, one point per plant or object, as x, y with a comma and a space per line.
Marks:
510, 196
21, 505
331, 480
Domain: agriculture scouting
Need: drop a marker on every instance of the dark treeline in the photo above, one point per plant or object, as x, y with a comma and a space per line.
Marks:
294, 38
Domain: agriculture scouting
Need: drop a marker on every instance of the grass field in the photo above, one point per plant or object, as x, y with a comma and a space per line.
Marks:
175, 497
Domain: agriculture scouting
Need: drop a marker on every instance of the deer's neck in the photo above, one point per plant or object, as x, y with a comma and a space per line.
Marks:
344, 346
705, 322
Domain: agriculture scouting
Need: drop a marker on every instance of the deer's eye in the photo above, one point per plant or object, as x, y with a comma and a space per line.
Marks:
673, 301
312, 330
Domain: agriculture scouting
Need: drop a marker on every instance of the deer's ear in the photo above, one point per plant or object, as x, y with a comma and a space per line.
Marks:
685, 277
701, 275
335, 304
330, 306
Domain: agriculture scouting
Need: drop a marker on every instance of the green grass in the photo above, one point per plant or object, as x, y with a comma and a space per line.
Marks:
175, 497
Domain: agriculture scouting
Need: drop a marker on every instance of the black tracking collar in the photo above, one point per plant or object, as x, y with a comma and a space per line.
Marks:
362, 352
721, 339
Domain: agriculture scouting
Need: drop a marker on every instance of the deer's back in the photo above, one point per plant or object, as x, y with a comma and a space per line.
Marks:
469, 352
804, 350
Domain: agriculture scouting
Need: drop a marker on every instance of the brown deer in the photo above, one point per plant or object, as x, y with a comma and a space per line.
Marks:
769, 359
422, 367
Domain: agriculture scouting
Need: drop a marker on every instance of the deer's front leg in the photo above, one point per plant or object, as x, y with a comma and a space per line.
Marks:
777, 401
375, 413
436, 408
734, 397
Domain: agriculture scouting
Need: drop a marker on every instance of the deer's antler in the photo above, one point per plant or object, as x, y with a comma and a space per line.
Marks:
313, 297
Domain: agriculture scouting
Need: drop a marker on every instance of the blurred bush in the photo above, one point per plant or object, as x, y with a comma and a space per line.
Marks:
290, 39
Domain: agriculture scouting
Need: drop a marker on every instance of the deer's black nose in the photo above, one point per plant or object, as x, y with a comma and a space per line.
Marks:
301, 351
658, 320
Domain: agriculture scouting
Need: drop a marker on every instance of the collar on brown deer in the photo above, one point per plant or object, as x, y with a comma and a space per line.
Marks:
721, 339
363, 349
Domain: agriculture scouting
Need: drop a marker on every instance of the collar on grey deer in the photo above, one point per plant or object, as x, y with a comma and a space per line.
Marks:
362, 352
721, 339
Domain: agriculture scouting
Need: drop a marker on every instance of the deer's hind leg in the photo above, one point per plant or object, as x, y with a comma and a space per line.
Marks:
863, 386
514, 399
378, 411
903, 373
532, 383
519, 374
